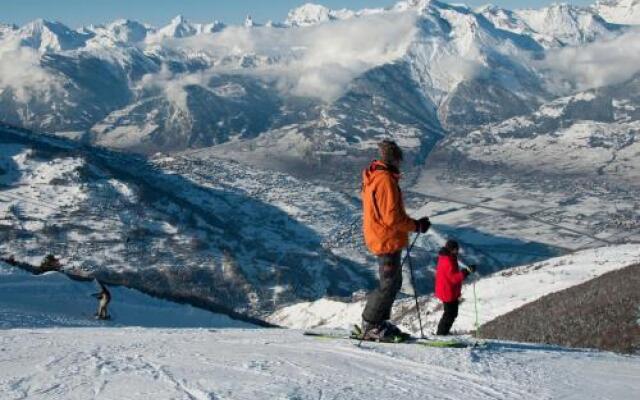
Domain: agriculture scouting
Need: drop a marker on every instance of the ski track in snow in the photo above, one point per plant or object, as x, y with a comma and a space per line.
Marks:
135, 363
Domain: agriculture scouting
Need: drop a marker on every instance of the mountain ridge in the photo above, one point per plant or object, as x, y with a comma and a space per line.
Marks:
180, 86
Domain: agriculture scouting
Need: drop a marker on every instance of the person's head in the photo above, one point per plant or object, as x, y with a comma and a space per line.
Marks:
452, 246
390, 153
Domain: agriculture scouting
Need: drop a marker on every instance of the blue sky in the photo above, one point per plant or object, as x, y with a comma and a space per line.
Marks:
76, 13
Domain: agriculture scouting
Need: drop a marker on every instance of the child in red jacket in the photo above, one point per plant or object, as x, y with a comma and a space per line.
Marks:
449, 279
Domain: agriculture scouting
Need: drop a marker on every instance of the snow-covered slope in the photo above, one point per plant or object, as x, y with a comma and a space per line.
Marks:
566, 173
497, 294
554, 26
49, 37
198, 228
179, 27
239, 238
54, 300
590, 133
278, 364
121, 31
619, 11
311, 14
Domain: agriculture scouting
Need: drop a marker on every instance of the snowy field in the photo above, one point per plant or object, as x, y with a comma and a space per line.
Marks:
567, 217
200, 364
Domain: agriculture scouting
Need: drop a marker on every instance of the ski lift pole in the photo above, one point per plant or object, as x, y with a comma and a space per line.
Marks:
413, 283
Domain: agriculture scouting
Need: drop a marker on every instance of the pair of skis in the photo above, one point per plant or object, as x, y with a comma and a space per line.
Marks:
358, 334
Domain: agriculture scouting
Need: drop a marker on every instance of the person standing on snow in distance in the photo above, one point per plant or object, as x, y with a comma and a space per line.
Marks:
386, 232
449, 279
104, 298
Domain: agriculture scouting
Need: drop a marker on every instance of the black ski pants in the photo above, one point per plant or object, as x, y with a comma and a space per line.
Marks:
380, 301
448, 317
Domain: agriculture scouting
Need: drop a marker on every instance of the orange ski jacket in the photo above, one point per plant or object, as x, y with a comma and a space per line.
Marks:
385, 221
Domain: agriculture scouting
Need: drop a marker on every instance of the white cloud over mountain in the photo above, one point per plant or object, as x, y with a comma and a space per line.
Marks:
21, 71
311, 61
599, 63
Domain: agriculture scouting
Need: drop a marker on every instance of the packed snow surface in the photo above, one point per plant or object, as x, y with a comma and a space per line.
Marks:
277, 364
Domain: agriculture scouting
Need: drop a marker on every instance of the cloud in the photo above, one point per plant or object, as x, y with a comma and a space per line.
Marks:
173, 85
596, 64
461, 67
317, 61
21, 71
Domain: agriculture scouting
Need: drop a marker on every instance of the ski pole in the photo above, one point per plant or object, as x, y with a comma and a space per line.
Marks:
409, 250
415, 296
475, 302
413, 283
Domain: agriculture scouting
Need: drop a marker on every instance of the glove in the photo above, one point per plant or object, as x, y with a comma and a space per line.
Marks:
423, 224
472, 268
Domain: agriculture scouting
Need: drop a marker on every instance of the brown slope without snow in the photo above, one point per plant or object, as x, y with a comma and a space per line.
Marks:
602, 313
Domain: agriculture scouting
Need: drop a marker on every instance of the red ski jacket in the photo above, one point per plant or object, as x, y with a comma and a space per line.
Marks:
448, 278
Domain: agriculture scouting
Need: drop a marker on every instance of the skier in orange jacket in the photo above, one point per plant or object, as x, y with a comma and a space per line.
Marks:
386, 232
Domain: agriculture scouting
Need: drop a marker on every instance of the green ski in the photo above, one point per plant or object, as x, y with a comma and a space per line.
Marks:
356, 334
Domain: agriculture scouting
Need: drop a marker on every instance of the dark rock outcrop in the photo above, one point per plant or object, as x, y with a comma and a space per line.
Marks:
602, 313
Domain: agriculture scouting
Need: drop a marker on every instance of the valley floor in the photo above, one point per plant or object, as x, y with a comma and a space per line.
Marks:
139, 363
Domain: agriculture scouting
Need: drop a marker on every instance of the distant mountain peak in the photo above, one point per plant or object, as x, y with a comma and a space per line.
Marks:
49, 36
312, 14
308, 14
6, 28
178, 19
179, 27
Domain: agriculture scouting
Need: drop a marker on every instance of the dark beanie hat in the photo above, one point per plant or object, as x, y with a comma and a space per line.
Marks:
451, 245
390, 152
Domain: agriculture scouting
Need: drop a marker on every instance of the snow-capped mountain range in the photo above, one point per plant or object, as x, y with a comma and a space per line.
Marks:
321, 75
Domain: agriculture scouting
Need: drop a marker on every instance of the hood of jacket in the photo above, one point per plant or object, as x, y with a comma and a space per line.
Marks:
376, 168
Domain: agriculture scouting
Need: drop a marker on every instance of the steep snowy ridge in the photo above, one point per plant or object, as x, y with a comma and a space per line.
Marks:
310, 14
179, 27
619, 11
553, 26
122, 31
567, 24
48, 37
